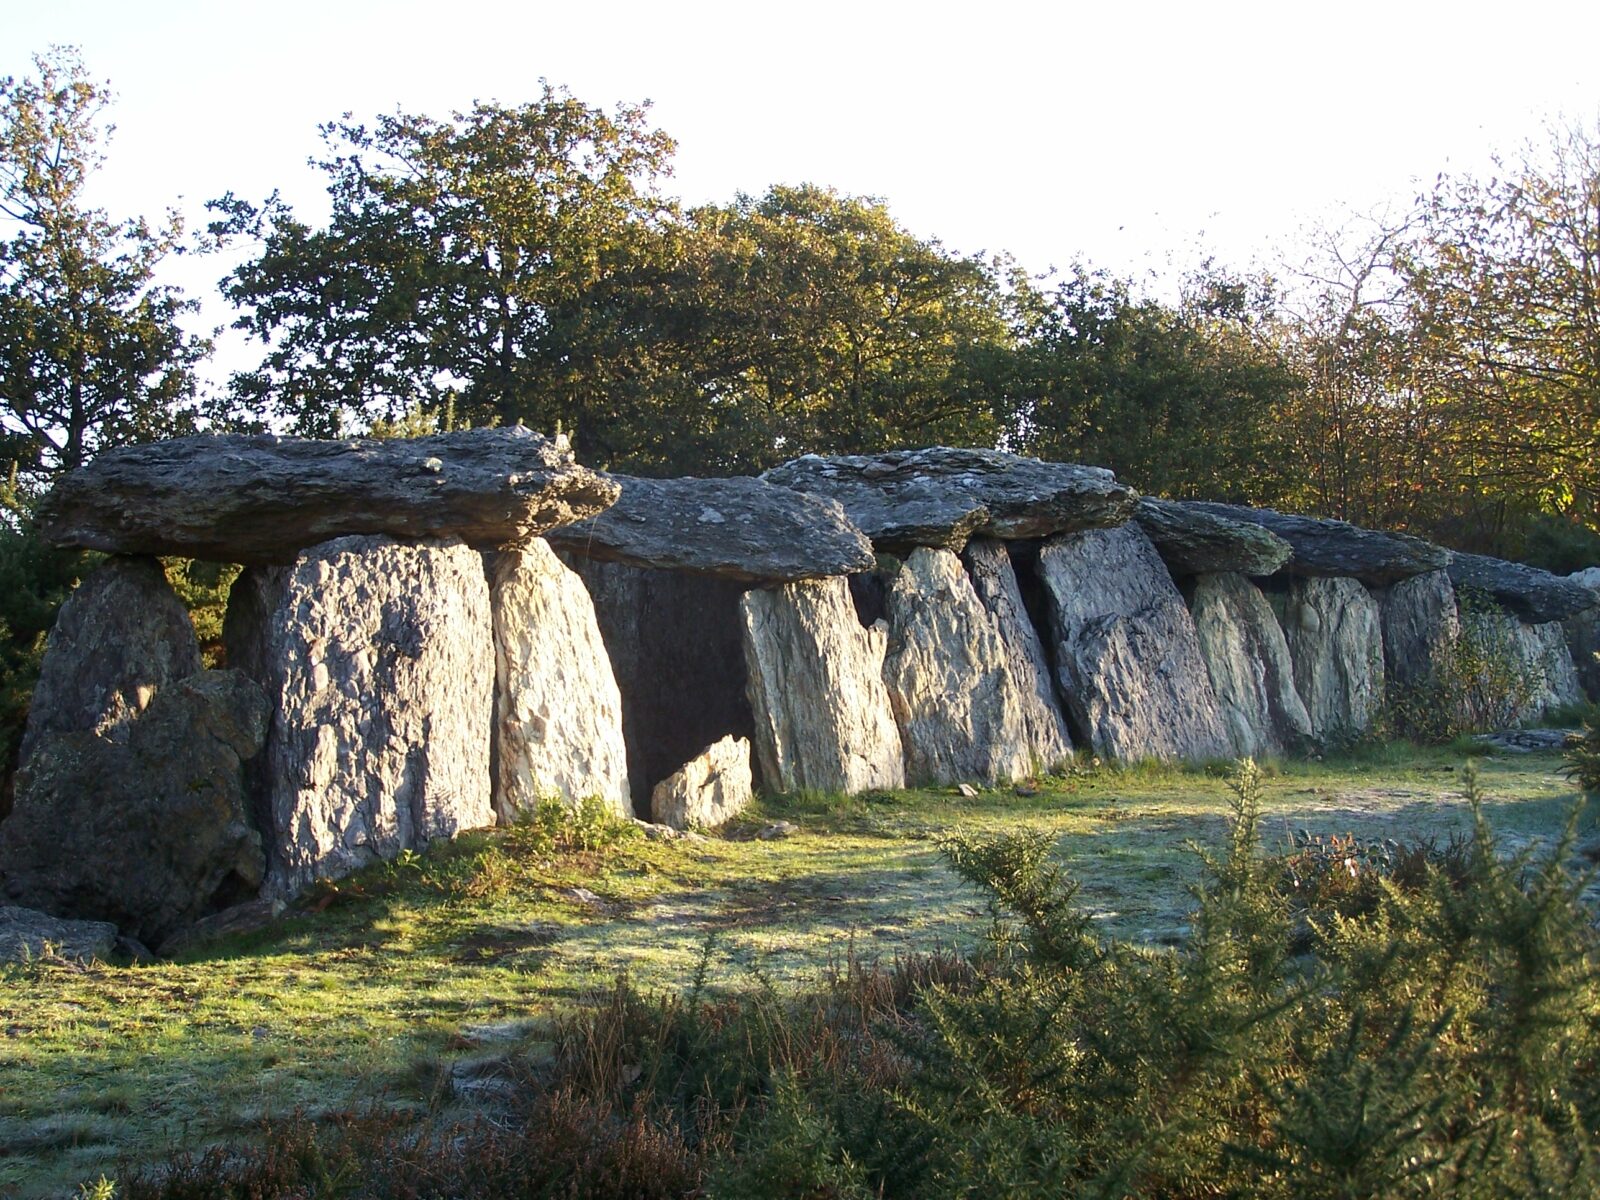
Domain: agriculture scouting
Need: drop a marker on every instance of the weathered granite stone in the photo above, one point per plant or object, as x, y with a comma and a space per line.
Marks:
1535, 596
1583, 636
958, 709
822, 712
1335, 641
994, 578
1547, 662
1129, 660
263, 498
743, 529
709, 790
675, 641
1339, 549
941, 496
1420, 624
152, 832
381, 675
119, 638
27, 934
1248, 663
1194, 541
558, 715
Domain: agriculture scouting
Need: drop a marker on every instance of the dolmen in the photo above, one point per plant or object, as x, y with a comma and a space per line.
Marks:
437, 634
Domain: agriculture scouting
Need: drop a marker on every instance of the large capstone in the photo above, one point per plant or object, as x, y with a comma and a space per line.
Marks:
1534, 596
558, 715
941, 496
263, 498
1335, 641
1337, 549
379, 665
742, 529
150, 832
1583, 635
958, 708
1129, 660
117, 640
675, 641
1248, 663
1420, 626
709, 790
1193, 541
822, 714
994, 578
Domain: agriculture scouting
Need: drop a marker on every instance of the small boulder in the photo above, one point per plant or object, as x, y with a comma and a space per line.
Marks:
709, 790
742, 529
822, 714
262, 498
152, 833
120, 636
941, 496
28, 935
1194, 541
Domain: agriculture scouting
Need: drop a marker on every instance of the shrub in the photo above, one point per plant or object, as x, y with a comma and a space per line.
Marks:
1583, 755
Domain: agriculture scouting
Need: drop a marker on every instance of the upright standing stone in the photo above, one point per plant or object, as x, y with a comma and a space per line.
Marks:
558, 716
1130, 663
995, 580
380, 669
816, 687
957, 706
1583, 635
1248, 662
118, 639
1549, 667
1420, 625
1335, 641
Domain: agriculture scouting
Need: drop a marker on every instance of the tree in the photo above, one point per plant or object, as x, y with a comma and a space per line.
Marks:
1179, 400
456, 261
91, 351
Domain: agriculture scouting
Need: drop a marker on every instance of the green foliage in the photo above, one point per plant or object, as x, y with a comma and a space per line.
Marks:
203, 587
91, 352
1480, 683
1583, 755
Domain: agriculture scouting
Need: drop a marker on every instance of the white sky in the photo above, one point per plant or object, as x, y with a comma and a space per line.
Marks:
1125, 134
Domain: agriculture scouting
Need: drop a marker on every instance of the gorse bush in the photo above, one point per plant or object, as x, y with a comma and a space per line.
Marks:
1583, 755
1439, 1039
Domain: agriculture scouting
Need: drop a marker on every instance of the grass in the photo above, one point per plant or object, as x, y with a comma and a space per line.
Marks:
410, 983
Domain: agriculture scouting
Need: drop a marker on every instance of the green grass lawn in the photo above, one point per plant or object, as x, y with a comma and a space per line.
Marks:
406, 978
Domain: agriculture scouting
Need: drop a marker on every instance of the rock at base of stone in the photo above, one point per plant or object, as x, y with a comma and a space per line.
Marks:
27, 935
1420, 626
822, 713
1129, 660
1248, 662
118, 638
1335, 641
674, 642
250, 917
151, 834
710, 789
989, 566
558, 715
957, 707
380, 669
